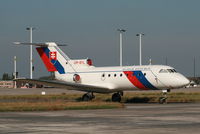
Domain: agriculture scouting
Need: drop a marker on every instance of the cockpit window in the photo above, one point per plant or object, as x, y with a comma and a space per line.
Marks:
163, 71
174, 70
167, 71
170, 70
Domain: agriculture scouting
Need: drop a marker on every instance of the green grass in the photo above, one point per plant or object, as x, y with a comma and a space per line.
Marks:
57, 105
73, 101
130, 97
153, 97
51, 103
39, 98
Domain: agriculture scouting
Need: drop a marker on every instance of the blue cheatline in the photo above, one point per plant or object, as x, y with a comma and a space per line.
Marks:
56, 63
140, 76
58, 66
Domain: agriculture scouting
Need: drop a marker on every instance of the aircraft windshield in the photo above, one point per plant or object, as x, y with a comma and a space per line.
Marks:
167, 71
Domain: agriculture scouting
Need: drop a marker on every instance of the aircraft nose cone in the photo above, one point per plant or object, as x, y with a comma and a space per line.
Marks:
185, 82
180, 81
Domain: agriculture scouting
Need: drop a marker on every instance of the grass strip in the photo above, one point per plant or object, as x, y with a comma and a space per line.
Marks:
177, 97
73, 101
57, 105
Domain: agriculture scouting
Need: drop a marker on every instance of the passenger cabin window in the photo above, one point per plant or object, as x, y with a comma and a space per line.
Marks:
108, 75
115, 75
120, 75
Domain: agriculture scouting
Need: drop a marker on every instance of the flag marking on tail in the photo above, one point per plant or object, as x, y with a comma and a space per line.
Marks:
50, 60
53, 56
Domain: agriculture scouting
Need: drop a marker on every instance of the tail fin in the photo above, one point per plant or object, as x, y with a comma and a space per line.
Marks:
56, 60
53, 57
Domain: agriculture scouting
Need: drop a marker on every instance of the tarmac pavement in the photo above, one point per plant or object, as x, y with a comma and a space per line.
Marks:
133, 119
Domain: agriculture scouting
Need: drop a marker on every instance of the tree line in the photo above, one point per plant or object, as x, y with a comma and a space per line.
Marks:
6, 76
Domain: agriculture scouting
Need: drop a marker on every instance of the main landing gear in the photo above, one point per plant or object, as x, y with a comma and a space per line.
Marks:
88, 96
163, 98
116, 97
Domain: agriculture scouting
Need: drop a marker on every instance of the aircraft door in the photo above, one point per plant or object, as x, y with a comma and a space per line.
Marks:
157, 81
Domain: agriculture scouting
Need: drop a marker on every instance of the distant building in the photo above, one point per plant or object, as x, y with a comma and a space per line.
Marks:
11, 84
6, 84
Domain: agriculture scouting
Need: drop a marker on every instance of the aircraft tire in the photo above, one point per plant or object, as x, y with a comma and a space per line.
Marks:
116, 97
88, 97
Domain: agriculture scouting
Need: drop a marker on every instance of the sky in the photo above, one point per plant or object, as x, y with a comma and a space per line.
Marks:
89, 27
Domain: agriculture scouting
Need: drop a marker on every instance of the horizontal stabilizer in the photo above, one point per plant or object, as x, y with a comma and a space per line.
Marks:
46, 44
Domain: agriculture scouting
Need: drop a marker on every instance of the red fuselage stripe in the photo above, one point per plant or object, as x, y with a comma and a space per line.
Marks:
133, 79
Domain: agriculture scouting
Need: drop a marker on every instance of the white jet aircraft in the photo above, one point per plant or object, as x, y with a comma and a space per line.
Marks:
81, 75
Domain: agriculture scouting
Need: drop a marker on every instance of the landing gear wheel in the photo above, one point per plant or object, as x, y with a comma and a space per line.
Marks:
116, 97
88, 97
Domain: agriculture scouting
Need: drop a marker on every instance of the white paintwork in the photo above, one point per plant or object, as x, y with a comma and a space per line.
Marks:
91, 75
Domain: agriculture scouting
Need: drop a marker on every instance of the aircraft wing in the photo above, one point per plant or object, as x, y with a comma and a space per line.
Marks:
67, 85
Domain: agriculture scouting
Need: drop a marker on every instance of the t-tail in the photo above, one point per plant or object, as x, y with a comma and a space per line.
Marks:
53, 57
57, 61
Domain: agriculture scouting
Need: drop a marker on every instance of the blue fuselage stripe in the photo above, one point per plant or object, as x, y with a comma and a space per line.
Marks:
140, 76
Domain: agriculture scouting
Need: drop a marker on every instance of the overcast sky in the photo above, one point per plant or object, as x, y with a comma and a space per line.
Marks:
171, 28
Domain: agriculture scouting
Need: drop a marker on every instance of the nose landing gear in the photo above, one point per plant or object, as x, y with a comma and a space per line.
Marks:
163, 98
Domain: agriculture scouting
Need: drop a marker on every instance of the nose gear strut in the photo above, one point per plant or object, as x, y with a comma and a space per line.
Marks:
163, 98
